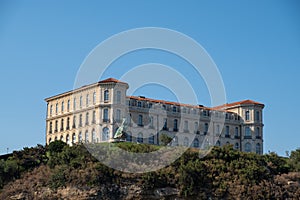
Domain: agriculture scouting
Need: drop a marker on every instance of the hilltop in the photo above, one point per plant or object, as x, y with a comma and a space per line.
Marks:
59, 171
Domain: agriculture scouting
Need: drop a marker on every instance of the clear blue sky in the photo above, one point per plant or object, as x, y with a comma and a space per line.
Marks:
255, 44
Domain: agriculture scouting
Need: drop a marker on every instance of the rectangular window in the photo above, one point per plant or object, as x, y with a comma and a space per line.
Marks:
151, 121
205, 128
105, 115
165, 127
247, 115
175, 125
257, 116
227, 134
186, 126
140, 120
94, 117
247, 133
118, 97
236, 133
118, 115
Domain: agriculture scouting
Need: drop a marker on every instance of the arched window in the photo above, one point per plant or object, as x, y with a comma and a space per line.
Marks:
196, 143
55, 138
68, 123
51, 108
218, 143
106, 95
247, 115
151, 139
227, 133
248, 147
118, 97
68, 105
80, 101
56, 126
105, 134
196, 127
94, 97
105, 115
258, 149
93, 136
73, 138
68, 139
140, 120
186, 142
87, 100
80, 137
56, 108
74, 122
237, 146
50, 140
62, 138
175, 141
62, 106
62, 125
140, 138
128, 137
86, 137
87, 118
80, 120
74, 104
50, 127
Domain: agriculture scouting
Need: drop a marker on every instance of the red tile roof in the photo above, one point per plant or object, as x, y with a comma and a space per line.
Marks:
111, 80
238, 103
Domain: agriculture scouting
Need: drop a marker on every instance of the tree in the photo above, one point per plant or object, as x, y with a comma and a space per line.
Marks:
165, 139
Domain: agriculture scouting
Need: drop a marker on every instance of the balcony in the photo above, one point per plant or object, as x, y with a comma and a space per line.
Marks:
237, 137
247, 137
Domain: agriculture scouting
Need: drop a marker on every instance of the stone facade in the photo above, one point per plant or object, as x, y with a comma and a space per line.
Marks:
93, 113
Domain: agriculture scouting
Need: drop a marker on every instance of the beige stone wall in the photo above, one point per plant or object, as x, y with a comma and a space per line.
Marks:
91, 99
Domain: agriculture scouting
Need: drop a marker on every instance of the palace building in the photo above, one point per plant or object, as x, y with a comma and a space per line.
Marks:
93, 113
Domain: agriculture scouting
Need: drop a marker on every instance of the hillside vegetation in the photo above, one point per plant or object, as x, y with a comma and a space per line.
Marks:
58, 171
